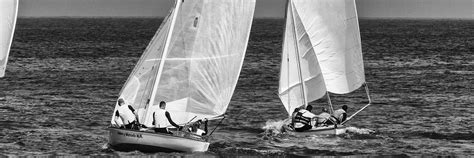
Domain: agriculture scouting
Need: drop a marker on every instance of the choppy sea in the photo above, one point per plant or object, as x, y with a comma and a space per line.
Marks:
64, 75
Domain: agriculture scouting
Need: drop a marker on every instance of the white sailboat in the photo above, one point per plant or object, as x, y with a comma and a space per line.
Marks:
193, 63
321, 54
8, 16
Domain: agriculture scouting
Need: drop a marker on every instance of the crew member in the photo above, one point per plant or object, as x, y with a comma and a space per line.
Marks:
196, 128
126, 113
117, 120
324, 118
302, 119
159, 121
340, 114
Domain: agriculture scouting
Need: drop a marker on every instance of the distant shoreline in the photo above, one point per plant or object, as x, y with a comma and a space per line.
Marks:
258, 18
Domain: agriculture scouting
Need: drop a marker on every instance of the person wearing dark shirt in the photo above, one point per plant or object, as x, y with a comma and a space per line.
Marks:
302, 119
196, 128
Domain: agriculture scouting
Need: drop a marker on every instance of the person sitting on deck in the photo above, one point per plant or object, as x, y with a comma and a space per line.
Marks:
138, 113
126, 113
340, 114
324, 118
302, 118
159, 122
117, 120
196, 128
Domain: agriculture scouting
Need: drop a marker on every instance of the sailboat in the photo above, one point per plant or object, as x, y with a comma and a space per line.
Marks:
8, 15
193, 63
321, 55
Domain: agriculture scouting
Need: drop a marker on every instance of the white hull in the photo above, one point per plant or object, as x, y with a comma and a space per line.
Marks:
327, 130
124, 139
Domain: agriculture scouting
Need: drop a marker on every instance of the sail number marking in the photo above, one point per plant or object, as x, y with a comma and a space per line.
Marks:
130, 135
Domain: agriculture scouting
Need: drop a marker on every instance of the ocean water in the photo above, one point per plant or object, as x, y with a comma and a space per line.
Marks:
64, 75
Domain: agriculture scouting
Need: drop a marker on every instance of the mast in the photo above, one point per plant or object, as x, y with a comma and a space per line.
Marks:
165, 53
300, 73
329, 102
288, 61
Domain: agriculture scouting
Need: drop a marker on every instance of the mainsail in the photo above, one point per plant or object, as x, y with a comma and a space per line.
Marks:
321, 51
194, 60
8, 14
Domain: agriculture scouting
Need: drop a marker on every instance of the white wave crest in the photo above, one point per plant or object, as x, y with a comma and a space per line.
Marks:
275, 125
359, 130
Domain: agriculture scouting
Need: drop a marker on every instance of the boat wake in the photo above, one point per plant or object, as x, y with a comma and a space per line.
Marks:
275, 138
275, 127
363, 131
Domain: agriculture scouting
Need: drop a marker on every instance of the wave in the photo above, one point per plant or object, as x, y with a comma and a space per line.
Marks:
274, 129
275, 126
356, 130
446, 136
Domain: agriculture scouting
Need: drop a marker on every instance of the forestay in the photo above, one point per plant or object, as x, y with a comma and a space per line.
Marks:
137, 88
324, 36
201, 68
333, 28
8, 15
299, 63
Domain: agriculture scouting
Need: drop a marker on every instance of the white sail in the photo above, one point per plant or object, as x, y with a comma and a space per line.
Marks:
333, 28
324, 36
136, 89
8, 15
200, 70
299, 63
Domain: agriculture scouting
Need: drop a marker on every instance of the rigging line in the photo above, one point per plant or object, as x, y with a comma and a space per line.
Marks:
223, 117
190, 121
287, 63
147, 49
164, 55
329, 102
370, 103
303, 86
365, 83
142, 60
145, 97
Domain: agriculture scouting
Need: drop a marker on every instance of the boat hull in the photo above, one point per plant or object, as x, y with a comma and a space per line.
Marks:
128, 140
326, 130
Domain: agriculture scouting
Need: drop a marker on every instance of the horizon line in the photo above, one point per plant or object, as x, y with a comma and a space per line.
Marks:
160, 17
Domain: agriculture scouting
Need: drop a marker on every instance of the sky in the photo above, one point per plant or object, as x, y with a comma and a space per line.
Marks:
459, 9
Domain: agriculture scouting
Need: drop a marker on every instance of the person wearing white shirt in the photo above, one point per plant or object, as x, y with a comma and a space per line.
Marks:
340, 114
126, 114
159, 121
